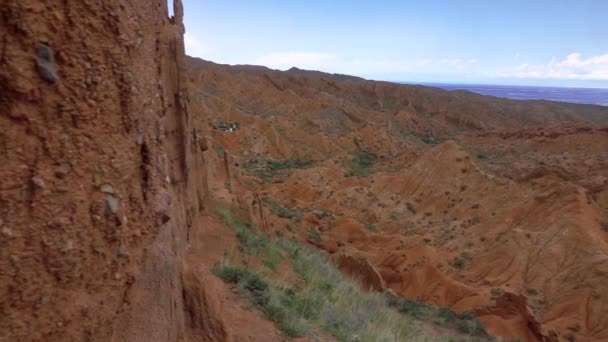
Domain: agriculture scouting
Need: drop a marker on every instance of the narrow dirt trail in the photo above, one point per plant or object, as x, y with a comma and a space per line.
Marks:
230, 317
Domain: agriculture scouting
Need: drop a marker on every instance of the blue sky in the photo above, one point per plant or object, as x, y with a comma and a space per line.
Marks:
532, 42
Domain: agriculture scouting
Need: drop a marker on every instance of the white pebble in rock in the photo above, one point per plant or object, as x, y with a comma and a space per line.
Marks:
63, 170
107, 188
111, 205
7, 232
38, 182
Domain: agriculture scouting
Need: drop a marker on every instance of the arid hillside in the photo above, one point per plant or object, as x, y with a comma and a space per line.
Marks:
476, 203
147, 196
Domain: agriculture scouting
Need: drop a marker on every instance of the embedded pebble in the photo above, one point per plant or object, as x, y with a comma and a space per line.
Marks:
111, 205
63, 170
38, 182
69, 246
45, 65
107, 188
7, 232
122, 253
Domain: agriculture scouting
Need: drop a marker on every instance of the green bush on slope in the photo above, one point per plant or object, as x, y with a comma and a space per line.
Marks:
362, 163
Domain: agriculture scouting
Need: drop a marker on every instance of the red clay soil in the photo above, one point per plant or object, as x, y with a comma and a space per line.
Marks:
113, 156
489, 212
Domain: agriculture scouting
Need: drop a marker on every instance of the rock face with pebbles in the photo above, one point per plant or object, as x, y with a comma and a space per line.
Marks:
95, 125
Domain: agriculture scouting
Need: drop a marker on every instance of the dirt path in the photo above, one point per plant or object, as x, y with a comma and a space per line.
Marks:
226, 313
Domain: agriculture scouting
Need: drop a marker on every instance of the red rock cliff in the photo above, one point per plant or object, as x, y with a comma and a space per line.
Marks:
100, 177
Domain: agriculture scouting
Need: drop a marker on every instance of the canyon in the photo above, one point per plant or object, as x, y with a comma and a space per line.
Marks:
117, 151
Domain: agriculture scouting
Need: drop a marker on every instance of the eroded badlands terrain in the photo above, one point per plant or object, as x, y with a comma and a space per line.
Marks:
459, 200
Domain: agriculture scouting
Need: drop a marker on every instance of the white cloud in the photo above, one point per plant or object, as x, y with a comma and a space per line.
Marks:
573, 66
196, 47
458, 63
285, 60
425, 62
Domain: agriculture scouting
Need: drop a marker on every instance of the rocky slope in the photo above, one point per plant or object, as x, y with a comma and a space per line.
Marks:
115, 151
477, 203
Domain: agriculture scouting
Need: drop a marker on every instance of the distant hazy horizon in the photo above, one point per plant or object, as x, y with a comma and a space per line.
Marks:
596, 96
519, 42
423, 81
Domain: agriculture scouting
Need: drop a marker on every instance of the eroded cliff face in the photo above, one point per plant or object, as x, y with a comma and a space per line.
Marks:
102, 171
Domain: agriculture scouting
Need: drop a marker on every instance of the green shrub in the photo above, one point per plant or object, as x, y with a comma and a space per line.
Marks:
465, 322
496, 292
219, 150
313, 234
362, 163
411, 207
370, 227
288, 164
321, 214
273, 257
458, 263
250, 241
268, 169
281, 211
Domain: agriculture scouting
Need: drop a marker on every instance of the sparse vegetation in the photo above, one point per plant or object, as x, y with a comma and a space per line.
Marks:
370, 227
321, 214
251, 242
288, 164
362, 163
219, 150
465, 322
411, 207
496, 292
461, 261
268, 169
313, 234
324, 299
458, 262
228, 126
427, 140
281, 211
